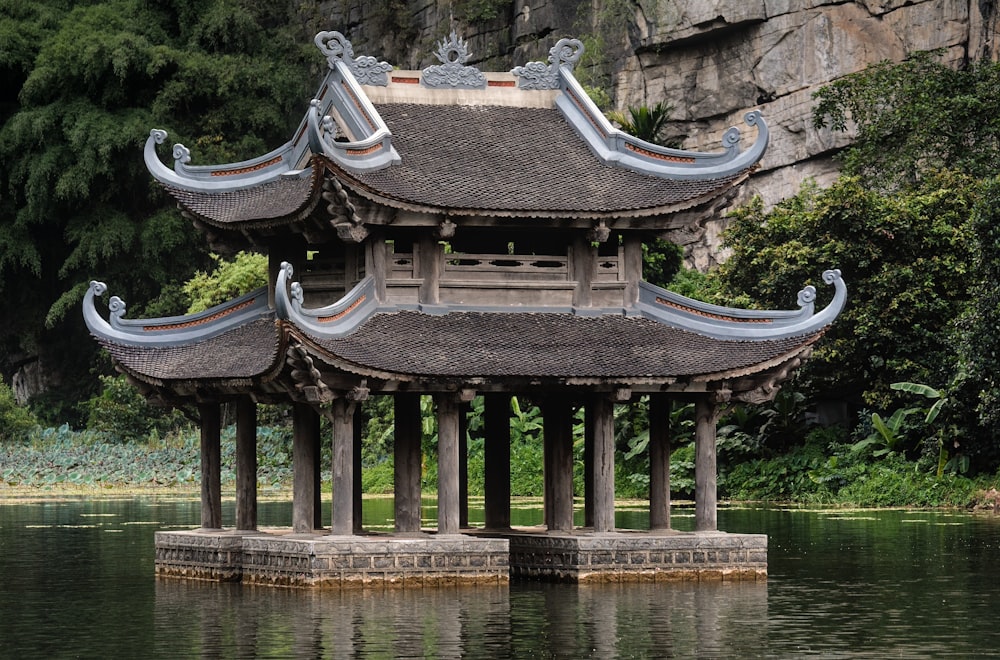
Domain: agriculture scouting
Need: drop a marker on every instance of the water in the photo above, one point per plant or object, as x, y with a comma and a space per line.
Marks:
76, 580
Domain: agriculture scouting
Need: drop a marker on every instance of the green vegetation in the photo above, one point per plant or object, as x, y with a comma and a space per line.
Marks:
912, 223
83, 85
644, 122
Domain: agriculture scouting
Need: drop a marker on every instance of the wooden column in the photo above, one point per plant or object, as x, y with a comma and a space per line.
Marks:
584, 259
659, 461
246, 463
496, 429
632, 267
428, 269
558, 430
343, 467
359, 429
448, 408
588, 466
317, 452
406, 461
463, 464
603, 464
376, 256
211, 466
705, 504
305, 467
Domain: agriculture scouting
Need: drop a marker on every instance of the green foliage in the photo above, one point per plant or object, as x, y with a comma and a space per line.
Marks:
662, 261
16, 421
122, 414
229, 279
481, 11
975, 390
644, 122
84, 84
914, 118
904, 257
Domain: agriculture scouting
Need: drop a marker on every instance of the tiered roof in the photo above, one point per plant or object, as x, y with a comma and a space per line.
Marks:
526, 147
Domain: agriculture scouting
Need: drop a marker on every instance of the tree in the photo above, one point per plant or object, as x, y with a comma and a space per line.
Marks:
977, 336
86, 84
903, 256
914, 118
644, 122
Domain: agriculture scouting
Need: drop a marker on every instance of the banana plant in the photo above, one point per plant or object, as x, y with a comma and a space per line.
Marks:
888, 434
940, 399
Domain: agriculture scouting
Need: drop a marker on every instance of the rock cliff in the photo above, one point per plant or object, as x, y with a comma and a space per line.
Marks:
712, 60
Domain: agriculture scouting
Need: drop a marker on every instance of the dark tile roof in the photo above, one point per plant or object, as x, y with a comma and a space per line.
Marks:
244, 352
545, 345
277, 200
508, 158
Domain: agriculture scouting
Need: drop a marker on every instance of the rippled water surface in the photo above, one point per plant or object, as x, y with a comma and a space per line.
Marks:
76, 580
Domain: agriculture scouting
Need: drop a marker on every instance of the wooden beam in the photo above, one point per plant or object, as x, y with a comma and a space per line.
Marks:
246, 463
211, 465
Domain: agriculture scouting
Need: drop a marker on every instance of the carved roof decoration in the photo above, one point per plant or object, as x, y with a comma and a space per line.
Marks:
373, 128
453, 70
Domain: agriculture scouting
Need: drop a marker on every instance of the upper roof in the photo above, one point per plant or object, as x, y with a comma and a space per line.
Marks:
419, 140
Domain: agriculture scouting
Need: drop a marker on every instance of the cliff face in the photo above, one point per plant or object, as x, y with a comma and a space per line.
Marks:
711, 59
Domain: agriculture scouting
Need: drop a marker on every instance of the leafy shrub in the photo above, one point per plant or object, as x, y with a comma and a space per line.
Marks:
247, 271
16, 421
124, 415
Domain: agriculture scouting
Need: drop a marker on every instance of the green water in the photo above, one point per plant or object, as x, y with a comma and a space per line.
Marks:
76, 580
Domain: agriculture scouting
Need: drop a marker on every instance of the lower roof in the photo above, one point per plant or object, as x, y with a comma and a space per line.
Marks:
410, 345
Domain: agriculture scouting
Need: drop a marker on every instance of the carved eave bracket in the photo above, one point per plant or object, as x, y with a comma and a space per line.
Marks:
344, 217
738, 324
306, 378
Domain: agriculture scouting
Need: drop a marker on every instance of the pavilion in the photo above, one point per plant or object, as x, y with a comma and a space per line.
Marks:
454, 233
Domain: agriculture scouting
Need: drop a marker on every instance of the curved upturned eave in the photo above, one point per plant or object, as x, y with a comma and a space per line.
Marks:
726, 323
373, 151
224, 178
616, 148
174, 330
336, 320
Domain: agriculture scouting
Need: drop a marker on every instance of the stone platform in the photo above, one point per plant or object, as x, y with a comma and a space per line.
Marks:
582, 556
313, 560
279, 558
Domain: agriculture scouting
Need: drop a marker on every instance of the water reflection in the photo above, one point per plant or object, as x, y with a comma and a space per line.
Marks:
526, 620
76, 580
